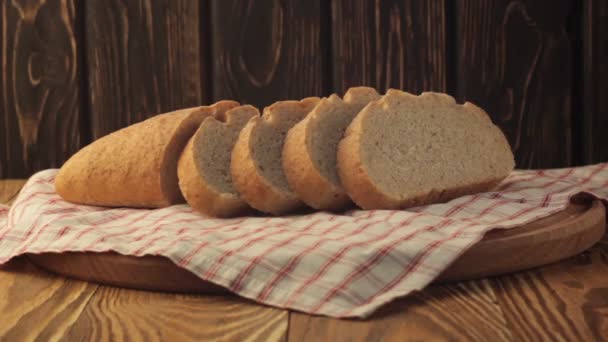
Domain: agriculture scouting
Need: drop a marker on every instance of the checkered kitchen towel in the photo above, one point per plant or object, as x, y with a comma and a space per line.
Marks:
337, 265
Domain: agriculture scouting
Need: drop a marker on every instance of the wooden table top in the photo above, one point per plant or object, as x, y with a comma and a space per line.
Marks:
564, 301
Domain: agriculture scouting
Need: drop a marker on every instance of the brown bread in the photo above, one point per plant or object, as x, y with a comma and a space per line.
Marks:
309, 154
256, 165
135, 166
204, 166
405, 150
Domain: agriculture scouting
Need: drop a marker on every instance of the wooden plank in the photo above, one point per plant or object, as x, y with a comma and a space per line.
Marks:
268, 50
9, 188
514, 60
143, 58
39, 85
36, 305
566, 301
461, 311
389, 44
595, 78
120, 314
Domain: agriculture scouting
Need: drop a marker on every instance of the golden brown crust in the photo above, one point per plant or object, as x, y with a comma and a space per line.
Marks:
312, 187
250, 183
280, 106
199, 194
304, 178
179, 140
135, 166
472, 108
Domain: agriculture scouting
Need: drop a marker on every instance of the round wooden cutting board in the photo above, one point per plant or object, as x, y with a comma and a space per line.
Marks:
538, 243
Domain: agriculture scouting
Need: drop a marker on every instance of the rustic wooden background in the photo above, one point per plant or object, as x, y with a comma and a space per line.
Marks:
75, 70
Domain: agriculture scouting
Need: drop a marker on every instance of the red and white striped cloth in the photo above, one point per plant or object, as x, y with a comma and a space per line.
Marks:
337, 265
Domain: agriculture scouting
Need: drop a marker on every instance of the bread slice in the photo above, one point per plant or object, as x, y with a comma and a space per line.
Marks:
256, 167
309, 154
204, 166
135, 166
405, 150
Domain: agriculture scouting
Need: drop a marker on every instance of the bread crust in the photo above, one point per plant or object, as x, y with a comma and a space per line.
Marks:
113, 171
199, 195
250, 183
253, 187
314, 188
359, 185
304, 178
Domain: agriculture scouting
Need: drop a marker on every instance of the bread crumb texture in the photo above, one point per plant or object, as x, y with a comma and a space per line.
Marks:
405, 150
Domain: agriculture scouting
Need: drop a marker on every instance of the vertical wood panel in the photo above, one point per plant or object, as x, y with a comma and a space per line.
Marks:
268, 50
514, 60
143, 58
595, 78
39, 95
389, 44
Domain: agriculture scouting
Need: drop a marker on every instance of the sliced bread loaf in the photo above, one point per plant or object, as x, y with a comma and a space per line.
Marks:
135, 166
204, 166
256, 166
309, 154
405, 150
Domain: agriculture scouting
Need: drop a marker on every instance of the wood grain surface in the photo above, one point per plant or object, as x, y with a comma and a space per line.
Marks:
514, 59
9, 188
154, 273
566, 301
467, 311
40, 101
595, 81
127, 315
389, 44
143, 58
269, 50
39, 306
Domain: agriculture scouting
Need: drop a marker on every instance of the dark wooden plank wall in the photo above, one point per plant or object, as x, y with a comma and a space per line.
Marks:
389, 44
40, 94
514, 59
143, 58
267, 50
595, 81
74, 70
